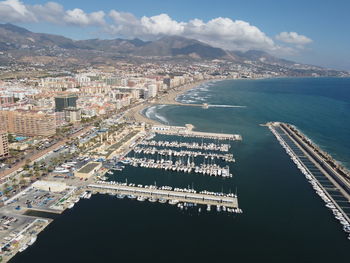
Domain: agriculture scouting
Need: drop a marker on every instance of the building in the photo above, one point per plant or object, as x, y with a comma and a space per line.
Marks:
152, 90
6, 100
72, 114
88, 170
65, 101
28, 123
4, 145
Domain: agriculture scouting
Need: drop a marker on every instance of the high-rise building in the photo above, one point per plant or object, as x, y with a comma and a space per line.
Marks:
28, 123
72, 114
65, 101
4, 147
152, 90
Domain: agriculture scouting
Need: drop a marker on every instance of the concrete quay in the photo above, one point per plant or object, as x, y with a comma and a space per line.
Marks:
169, 195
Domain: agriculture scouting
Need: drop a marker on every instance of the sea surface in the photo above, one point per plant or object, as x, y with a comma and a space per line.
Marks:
283, 220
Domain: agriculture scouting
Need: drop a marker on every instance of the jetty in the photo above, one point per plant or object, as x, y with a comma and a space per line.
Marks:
330, 180
188, 131
173, 196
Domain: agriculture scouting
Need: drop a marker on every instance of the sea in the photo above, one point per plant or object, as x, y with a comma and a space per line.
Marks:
283, 219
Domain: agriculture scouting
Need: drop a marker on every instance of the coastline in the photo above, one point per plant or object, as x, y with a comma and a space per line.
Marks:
168, 98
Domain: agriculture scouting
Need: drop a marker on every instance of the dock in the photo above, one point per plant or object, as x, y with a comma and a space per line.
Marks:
190, 196
330, 181
188, 131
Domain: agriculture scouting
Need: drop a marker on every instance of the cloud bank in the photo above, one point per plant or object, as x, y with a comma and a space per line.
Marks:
220, 32
293, 38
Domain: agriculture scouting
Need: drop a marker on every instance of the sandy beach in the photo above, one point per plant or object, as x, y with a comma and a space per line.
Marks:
168, 98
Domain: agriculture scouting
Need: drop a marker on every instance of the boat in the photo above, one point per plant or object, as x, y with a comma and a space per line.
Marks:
110, 172
141, 198
120, 196
153, 200
173, 202
32, 241
162, 200
208, 208
71, 205
23, 248
125, 161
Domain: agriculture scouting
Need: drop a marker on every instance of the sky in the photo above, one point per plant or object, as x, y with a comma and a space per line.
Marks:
305, 31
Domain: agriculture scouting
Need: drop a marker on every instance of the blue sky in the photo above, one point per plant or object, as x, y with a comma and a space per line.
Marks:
308, 31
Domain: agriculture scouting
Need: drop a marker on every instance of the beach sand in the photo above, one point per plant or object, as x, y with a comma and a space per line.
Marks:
168, 98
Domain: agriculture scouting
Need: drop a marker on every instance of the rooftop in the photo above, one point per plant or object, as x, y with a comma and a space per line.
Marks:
87, 168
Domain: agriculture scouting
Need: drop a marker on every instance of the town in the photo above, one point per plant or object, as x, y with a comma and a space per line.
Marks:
63, 136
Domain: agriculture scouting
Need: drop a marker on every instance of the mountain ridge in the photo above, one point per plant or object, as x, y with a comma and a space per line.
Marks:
19, 45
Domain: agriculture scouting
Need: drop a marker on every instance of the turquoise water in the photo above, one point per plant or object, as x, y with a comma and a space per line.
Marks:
283, 220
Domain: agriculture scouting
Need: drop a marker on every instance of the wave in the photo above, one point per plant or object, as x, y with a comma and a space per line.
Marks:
153, 114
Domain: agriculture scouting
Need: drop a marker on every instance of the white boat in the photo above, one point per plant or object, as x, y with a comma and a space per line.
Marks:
23, 248
141, 198
173, 202
71, 205
32, 241
162, 201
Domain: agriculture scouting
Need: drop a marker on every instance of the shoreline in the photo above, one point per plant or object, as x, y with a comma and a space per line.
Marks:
168, 98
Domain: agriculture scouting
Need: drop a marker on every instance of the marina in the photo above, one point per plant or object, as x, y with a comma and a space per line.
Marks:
193, 145
181, 166
183, 153
330, 184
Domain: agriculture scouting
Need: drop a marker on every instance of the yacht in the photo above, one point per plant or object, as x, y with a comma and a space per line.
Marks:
162, 201
173, 202
141, 198
32, 241
23, 248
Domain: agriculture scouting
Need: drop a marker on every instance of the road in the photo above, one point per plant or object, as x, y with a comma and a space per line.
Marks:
37, 155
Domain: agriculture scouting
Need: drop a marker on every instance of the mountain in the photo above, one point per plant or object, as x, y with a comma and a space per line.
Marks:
16, 38
19, 45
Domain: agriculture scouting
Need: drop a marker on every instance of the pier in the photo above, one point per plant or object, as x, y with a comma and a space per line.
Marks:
202, 105
189, 145
330, 181
173, 196
169, 152
188, 132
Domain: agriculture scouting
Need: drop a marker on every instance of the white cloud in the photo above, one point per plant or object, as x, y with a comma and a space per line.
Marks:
80, 18
229, 34
293, 38
16, 11
161, 25
220, 32
50, 12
